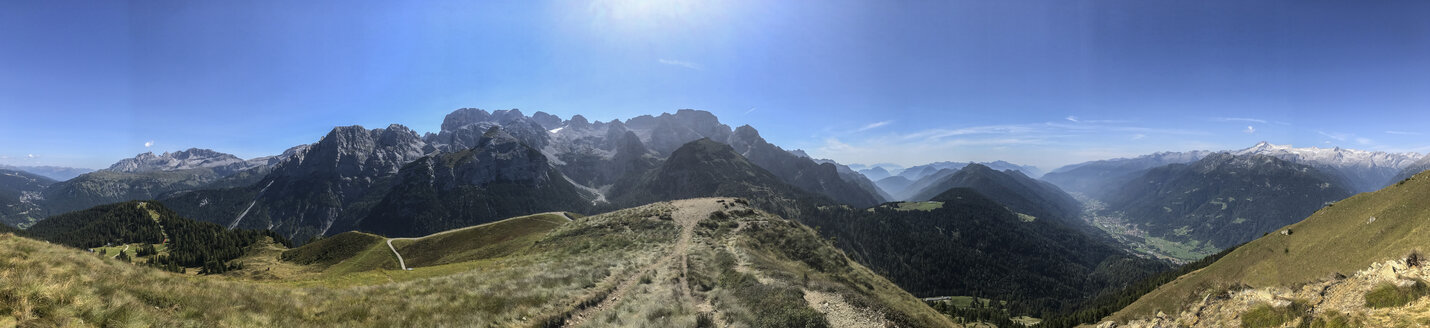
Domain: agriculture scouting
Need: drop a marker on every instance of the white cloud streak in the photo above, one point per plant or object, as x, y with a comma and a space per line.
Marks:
1403, 133
1336, 136
874, 125
1249, 129
681, 63
149, 143
1044, 144
1239, 119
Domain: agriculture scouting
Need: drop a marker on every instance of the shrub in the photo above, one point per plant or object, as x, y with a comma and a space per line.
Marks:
704, 321
1333, 319
1265, 315
1389, 295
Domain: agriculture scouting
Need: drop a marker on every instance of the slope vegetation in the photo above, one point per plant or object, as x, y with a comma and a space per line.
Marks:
20, 197
971, 245
1223, 200
701, 262
189, 243
928, 253
485, 241
1342, 238
1011, 188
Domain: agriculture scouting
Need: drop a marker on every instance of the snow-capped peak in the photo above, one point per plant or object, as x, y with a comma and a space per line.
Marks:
1336, 157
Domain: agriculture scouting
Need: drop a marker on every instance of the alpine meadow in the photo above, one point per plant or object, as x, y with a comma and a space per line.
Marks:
731, 163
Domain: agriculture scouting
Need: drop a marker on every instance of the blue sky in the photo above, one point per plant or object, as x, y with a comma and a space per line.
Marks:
86, 83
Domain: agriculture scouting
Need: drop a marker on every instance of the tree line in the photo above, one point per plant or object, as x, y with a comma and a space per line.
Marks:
190, 243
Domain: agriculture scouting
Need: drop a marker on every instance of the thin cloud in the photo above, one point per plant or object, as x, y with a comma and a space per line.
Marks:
1138, 136
1049, 129
1239, 119
874, 125
31, 156
747, 112
1365, 141
933, 134
1076, 119
1403, 133
149, 143
681, 63
1249, 129
1336, 136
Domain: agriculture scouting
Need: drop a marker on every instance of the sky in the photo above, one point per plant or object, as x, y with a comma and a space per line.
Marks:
1045, 83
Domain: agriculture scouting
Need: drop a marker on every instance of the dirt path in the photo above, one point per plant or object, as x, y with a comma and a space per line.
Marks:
687, 214
400, 262
116, 255
840, 313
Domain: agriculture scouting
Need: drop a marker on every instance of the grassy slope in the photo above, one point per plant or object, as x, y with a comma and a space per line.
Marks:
333, 249
567, 266
485, 241
1337, 239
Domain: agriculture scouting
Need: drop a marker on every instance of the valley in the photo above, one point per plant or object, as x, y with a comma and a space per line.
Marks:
394, 211
715, 164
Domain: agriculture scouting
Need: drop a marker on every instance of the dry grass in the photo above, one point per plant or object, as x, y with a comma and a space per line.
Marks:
540, 274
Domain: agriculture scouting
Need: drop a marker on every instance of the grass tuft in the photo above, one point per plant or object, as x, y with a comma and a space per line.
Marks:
1389, 295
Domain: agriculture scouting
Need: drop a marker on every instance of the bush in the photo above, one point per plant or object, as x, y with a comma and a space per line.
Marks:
1333, 319
704, 321
1389, 295
1265, 315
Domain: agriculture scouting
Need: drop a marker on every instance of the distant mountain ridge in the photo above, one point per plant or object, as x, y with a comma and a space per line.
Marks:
1362, 170
57, 173
499, 177
920, 171
1224, 199
21, 197
192, 158
145, 176
1011, 188
1411, 170
1098, 178
1325, 249
331, 183
355, 178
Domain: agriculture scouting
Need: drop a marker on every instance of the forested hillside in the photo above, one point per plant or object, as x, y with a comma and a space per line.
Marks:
189, 243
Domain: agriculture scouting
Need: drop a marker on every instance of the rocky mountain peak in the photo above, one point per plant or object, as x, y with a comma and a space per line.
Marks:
464, 116
1363, 170
353, 150
578, 121
191, 158
546, 120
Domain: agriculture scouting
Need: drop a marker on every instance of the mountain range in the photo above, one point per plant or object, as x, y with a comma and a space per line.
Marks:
364, 179
1224, 199
1361, 171
1042, 247
1331, 268
146, 176
57, 173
